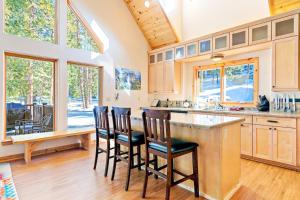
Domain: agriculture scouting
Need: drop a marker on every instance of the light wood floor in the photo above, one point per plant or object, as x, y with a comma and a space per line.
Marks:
69, 176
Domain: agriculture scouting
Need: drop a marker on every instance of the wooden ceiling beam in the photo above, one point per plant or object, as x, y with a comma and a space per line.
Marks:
281, 6
153, 22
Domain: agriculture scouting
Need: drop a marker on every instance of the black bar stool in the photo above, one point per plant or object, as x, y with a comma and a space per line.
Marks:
161, 144
125, 136
102, 131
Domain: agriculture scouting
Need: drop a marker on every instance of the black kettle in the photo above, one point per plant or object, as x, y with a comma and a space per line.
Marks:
263, 104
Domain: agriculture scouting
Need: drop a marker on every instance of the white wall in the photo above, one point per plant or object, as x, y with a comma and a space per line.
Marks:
127, 48
201, 17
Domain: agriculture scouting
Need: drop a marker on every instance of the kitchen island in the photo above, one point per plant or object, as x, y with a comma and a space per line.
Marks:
218, 152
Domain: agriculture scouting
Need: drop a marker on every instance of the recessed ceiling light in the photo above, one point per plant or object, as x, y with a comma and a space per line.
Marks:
147, 4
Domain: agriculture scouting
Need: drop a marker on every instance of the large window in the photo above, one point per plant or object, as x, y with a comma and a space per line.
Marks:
77, 35
84, 94
232, 83
33, 19
29, 95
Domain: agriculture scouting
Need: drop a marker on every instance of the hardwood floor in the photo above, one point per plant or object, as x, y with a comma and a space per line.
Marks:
70, 175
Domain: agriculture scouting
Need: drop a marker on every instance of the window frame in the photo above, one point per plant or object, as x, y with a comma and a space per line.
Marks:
100, 83
54, 61
222, 66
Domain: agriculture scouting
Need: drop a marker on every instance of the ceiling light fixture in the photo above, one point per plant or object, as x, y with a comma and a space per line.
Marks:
217, 57
147, 4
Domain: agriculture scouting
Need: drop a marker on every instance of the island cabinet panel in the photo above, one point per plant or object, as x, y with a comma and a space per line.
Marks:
285, 27
260, 33
246, 139
285, 72
262, 142
284, 145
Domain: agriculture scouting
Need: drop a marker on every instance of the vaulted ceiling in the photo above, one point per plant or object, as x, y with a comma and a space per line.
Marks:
153, 22
281, 6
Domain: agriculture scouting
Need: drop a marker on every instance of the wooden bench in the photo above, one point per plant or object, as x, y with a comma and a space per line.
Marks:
31, 141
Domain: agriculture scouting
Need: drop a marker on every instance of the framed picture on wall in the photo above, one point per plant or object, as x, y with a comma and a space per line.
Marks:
127, 79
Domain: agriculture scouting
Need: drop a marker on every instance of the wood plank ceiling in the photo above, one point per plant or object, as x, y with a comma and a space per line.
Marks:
281, 6
153, 22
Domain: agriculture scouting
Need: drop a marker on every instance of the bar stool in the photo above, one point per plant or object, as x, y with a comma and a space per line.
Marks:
163, 145
125, 136
102, 131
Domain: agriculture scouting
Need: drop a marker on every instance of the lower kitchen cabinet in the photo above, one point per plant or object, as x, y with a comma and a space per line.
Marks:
262, 142
246, 139
284, 145
275, 144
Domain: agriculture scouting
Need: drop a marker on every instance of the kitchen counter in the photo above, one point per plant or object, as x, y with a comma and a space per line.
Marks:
219, 140
195, 120
242, 112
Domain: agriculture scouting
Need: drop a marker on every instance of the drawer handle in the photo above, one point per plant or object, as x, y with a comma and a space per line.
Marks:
272, 121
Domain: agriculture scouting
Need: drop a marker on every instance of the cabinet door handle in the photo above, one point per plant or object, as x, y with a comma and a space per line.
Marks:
270, 128
275, 129
242, 125
272, 121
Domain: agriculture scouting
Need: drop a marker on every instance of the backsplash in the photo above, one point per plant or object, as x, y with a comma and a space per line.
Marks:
174, 104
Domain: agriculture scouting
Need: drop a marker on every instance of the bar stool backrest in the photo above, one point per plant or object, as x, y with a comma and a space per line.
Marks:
157, 134
121, 122
101, 119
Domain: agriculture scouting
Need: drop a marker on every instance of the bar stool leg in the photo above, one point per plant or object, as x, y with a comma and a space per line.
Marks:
169, 178
139, 157
195, 172
146, 175
115, 161
96, 154
130, 158
107, 157
155, 166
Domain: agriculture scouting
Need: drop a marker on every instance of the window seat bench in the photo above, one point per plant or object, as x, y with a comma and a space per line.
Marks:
31, 141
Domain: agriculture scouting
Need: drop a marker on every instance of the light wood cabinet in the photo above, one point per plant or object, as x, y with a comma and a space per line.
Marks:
165, 77
275, 143
285, 27
169, 55
246, 139
192, 49
156, 77
260, 33
180, 52
262, 142
284, 145
285, 60
239, 38
221, 42
205, 46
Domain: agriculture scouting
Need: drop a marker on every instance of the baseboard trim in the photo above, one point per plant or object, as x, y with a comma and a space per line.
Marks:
269, 162
40, 152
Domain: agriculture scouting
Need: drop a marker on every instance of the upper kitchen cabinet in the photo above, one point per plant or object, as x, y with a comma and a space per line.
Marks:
169, 55
285, 27
205, 46
156, 77
192, 49
152, 59
285, 61
160, 57
221, 42
260, 33
180, 52
239, 38
165, 77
